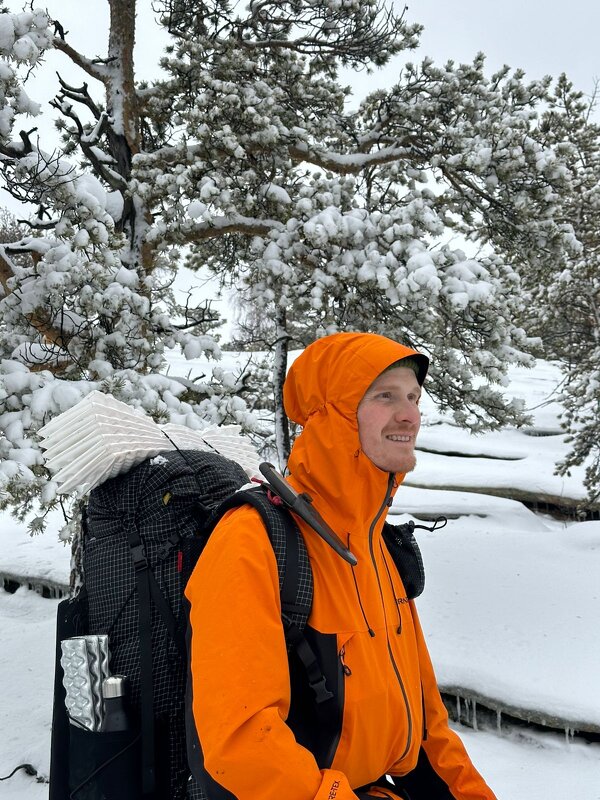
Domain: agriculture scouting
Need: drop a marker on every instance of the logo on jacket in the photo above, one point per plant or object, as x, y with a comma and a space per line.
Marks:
334, 790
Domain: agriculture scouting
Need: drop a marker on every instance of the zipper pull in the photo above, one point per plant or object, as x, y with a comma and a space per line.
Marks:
345, 668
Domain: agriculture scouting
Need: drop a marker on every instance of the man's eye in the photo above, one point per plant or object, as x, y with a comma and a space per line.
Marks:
384, 395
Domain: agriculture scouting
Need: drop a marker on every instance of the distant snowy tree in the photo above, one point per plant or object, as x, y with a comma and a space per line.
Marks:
563, 293
246, 153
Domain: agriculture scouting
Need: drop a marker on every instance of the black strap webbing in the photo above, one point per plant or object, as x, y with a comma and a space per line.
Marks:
142, 579
291, 577
176, 634
314, 673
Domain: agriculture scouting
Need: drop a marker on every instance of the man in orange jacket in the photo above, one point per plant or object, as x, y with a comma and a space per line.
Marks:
356, 397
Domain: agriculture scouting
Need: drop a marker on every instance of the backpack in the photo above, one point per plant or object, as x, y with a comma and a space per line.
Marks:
142, 535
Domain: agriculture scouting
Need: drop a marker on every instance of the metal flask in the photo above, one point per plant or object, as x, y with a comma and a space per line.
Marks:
114, 690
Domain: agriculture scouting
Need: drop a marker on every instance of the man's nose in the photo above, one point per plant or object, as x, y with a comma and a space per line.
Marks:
407, 412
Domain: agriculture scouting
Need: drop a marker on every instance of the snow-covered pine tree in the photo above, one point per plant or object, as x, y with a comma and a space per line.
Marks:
85, 297
563, 294
370, 204
248, 154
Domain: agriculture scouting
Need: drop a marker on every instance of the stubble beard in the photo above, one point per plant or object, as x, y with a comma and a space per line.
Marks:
410, 462
404, 465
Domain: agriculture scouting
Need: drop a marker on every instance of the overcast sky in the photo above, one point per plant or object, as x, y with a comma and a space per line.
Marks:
541, 36
544, 37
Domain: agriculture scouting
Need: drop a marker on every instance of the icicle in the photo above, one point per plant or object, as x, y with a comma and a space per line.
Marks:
457, 708
499, 721
569, 735
475, 715
469, 711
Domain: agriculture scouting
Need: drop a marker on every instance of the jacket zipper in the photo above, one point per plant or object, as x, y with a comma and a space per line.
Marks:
394, 665
345, 668
342, 672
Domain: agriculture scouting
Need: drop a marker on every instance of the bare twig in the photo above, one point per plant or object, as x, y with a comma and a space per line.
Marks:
79, 95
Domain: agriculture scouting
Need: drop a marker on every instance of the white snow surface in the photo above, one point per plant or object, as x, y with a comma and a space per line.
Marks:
508, 611
510, 606
26, 677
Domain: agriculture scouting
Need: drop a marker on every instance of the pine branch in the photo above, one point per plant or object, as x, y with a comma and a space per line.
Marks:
348, 163
223, 226
15, 151
79, 95
91, 67
38, 319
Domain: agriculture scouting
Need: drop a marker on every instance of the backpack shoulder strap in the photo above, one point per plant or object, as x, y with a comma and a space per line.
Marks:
293, 566
295, 580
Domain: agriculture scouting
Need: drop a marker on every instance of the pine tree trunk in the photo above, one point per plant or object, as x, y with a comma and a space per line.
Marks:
121, 96
124, 132
282, 430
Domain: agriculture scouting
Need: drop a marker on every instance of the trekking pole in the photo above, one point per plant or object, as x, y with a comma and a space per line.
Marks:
301, 504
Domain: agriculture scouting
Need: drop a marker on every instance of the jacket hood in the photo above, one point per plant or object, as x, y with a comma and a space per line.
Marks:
322, 392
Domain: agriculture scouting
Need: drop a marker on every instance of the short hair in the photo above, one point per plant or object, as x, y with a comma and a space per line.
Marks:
409, 363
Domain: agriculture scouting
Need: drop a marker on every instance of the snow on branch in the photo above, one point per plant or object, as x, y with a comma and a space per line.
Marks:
25, 36
6, 271
235, 224
348, 163
218, 227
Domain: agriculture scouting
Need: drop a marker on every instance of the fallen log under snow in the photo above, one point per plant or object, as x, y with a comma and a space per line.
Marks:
476, 710
562, 503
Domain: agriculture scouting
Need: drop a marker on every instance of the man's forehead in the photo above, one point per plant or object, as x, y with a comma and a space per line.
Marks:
395, 377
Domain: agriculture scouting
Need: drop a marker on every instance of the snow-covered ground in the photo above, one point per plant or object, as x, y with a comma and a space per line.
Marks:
510, 606
531, 766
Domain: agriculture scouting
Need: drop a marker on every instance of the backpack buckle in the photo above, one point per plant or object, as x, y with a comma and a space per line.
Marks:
165, 550
320, 689
139, 557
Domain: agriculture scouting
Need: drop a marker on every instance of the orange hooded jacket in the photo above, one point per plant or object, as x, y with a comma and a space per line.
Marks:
394, 721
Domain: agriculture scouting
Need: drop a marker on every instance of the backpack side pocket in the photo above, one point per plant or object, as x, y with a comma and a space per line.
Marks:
71, 620
104, 766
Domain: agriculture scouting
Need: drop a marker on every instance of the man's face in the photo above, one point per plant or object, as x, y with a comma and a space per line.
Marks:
389, 420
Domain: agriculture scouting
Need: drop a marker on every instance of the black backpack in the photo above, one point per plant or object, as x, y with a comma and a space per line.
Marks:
142, 535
